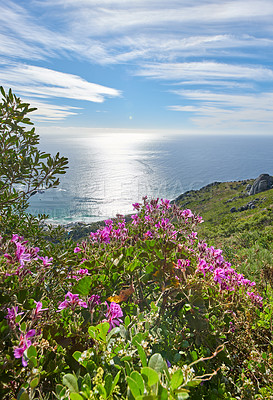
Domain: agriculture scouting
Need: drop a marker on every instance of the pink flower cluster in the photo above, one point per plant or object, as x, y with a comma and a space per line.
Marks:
80, 273
71, 301
152, 215
113, 315
212, 263
108, 233
256, 299
24, 344
11, 317
22, 256
182, 264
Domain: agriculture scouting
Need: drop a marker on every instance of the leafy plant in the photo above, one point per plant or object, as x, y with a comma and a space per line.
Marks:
24, 169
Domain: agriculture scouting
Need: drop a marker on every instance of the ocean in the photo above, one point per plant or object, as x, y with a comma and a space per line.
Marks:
109, 171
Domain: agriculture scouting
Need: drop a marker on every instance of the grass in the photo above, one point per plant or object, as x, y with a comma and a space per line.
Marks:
246, 237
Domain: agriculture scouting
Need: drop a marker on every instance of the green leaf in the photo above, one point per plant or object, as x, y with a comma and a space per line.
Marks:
83, 286
142, 354
77, 355
33, 362
31, 352
150, 376
162, 393
126, 358
34, 382
113, 332
102, 391
194, 382
108, 384
104, 328
133, 387
115, 381
23, 327
194, 355
133, 265
99, 332
139, 380
70, 381
75, 396
177, 379
182, 395
157, 362
127, 321
23, 395
127, 367
59, 389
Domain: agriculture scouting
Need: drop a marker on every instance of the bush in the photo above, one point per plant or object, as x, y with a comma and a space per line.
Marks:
142, 310
24, 169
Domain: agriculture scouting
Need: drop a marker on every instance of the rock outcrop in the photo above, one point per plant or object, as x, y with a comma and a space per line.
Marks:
262, 183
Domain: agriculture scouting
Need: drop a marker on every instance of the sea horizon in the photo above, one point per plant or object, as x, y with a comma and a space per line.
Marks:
108, 172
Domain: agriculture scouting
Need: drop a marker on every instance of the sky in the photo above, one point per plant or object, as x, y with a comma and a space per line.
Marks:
187, 66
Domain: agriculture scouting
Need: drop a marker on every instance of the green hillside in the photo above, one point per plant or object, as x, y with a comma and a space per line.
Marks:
245, 236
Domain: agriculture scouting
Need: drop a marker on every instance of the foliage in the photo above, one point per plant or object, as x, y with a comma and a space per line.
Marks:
24, 169
246, 237
142, 310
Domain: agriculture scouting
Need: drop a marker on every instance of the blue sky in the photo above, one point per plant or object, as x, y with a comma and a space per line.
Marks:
179, 65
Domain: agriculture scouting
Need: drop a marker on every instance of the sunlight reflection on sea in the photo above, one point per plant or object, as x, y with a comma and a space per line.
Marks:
109, 171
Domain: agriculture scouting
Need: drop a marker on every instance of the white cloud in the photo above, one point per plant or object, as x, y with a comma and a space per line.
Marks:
229, 111
105, 17
102, 18
49, 112
200, 43
109, 32
42, 82
205, 69
35, 82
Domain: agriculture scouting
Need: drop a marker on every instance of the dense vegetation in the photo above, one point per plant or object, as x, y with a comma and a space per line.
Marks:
143, 308
246, 237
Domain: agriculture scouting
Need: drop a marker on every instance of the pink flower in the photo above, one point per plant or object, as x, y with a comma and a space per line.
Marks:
21, 254
73, 302
93, 301
11, 317
108, 222
219, 275
148, 234
24, 344
16, 238
165, 203
187, 213
80, 273
136, 206
46, 261
182, 264
113, 315
256, 299
135, 219
37, 312
77, 249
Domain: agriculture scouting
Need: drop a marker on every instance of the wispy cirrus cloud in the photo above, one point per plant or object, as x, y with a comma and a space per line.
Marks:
50, 112
112, 32
206, 69
119, 16
221, 48
36, 82
212, 110
44, 82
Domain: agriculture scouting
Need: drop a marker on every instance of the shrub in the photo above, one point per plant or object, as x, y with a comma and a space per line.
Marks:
142, 310
24, 169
